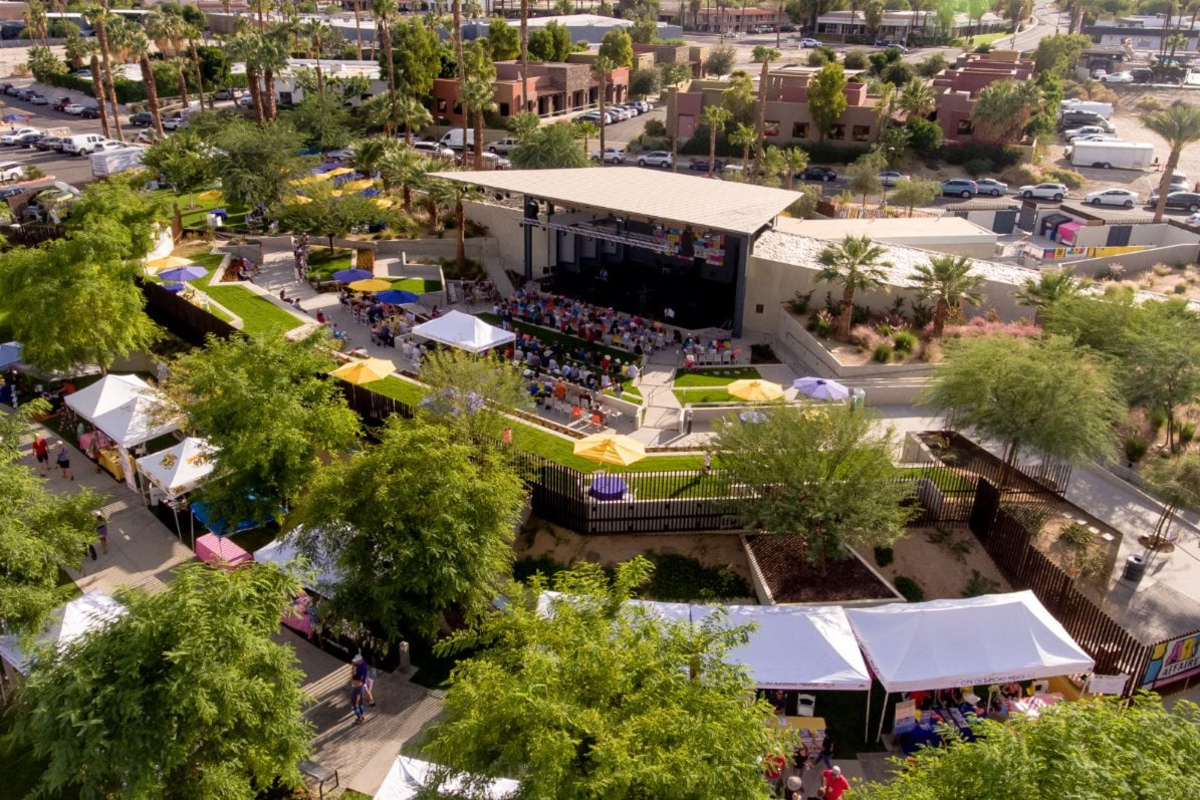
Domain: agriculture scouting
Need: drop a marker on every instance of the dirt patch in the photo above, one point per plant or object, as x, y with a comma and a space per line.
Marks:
793, 579
944, 564
540, 538
1080, 545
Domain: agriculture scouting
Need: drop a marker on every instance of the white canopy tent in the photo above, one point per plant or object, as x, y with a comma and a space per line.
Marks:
284, 553
797, 647
179, 469
408, 776
106, 394
78, 617
464, 332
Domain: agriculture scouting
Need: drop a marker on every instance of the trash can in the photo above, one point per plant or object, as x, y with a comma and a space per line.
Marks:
858, 398
1135, 569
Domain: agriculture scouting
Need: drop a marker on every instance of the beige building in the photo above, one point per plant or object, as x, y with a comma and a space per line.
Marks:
948, 234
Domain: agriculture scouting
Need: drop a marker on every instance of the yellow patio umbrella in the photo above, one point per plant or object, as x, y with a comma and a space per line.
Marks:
359, 185
610, 448
211, 194
755, 390
307, 179
365, 371
299, 199
333, 173
383, 202
169, 262
370, 285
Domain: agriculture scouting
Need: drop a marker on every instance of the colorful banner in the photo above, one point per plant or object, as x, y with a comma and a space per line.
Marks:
1173, 661
1054, 253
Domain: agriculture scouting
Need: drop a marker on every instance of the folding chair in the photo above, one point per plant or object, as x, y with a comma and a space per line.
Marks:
806, 705
597, 422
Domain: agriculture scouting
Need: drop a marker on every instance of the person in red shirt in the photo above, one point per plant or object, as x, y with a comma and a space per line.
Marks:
833, 784
41, 450
773, 769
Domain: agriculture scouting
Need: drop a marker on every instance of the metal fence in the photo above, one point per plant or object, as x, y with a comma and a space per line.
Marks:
190, 323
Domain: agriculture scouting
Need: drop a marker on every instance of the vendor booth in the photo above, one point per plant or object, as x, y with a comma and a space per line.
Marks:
170, 474
126, 412
976, 645
321, 579
409, 776
220, 551
463, 332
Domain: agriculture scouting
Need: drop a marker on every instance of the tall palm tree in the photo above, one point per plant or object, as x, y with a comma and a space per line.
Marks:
771, 167
367, 153
140, 49
857, 264
98, 88
413, 115
318, 32
273, 56
948, 281
794, 162
192, 35
586, 131
766, 55
400, 164
179, 67
601, 67
714, 116
477, 100
1048, 288
744, 136
525, 55
36, 20
384, 11
454, 194
357, 29
101, 18
1179, 125
462, 72
917, 99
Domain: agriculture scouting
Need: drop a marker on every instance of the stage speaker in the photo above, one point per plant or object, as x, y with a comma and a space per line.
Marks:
532, 207
687, 244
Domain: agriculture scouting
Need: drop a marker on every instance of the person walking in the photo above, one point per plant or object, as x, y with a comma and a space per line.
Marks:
63, 458
833, 784
102, 531
826, 754
362, 673
41, 451
356, 701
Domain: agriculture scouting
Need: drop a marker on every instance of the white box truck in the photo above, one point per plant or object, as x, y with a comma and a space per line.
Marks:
1103, 109
454, 139
1122, 155
110, 162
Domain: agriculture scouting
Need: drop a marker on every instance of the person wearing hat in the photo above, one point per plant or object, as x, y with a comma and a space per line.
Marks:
794, 789
833, 784
363, 673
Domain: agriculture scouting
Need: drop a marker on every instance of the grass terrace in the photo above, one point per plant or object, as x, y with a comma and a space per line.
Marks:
323, 262
708, 385
197, 218
259, 315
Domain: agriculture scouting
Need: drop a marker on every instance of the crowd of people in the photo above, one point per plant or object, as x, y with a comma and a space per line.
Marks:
592, 324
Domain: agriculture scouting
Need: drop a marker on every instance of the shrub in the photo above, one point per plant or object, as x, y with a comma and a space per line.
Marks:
855, 59
1089, 566
818, 58
982, 326
986, 47
799, 303
1022, 175
897, 74
1181, 287
978, 585
924, 137
1002, 157
922, 315
979, 166
865, 338
1185, 433
882, 353
680, 578
909, 589
905, 342
1075, 535
655, 127
1068, 177
884, 555
1113, 272
821, 324
1161, 270
1149, 104
1135, 449
932, 353
525, 568
1157, 418
932, 65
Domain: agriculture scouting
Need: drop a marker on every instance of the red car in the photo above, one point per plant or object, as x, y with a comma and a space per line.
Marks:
61, 103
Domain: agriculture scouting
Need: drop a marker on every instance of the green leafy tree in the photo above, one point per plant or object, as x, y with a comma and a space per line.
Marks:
266, 406
132, 218
1090, 748
472, 393
43, 64
739, 97
1042, 395
1160, 360
41, 532
323, 122
892, 144
549, 147
1179, 126
596, 711
873, 17
863, 174
912, 192
1175, 482
503, 40
823, 474
826, 99
1060, 53
187, 687
644, 82
949, 282
720, 60
184, 160
257, 162
551, 42
523, 124
618, 46
924, 137
424, 524
932, 65
326, 214
416, 56
856, 263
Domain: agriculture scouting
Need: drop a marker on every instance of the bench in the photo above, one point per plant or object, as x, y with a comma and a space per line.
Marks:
320, 774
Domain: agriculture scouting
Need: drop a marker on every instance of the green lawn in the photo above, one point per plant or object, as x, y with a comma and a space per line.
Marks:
983, 38
944, 478
258, 314
715, 376
570, 342
197, 218
712, 394
416, 285
323, 262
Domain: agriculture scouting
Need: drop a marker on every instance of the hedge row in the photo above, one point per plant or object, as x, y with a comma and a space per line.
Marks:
133, 91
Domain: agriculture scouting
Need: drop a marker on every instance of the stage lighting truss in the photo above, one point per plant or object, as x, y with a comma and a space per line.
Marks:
631, 239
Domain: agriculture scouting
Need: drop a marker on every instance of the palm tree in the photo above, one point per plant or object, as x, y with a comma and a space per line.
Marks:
403, 165
243, 47
101, 18
601, 67
384, 11
1179, 125
714, 117
454, 193
180, 70
523, 123
192, 35
524, 55
948, 281
462, 72
766, 55
357, 29
35, 19
1048, 288
477, 100
586, 131
771, 166
98, 84
794, 162
857, 264
316, 32
141, 51
744, 136
273, 56
367, 153
413, 115
917, 99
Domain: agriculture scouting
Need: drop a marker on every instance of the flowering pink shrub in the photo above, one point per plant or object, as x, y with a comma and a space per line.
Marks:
981, 326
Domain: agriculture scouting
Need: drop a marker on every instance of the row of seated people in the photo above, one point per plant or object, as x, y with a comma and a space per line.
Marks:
574, 362
575, 402
593, 324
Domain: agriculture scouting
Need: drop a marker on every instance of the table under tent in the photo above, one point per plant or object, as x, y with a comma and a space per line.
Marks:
170, 475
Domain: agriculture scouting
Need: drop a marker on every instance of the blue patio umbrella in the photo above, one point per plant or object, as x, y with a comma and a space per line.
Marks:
352, 275
13, 117
189, 273
608, 487
10, 353
173, 287
396, 297
755, 417
821, 389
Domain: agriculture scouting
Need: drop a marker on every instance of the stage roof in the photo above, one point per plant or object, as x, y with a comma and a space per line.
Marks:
646, 193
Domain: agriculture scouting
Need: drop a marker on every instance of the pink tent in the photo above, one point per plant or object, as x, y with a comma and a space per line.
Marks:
1067, 231
217, 550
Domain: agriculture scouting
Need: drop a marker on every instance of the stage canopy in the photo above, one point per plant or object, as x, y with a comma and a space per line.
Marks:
649, 194
283, 553
977, 641
796, 647
408, 776
179, 469
83, 614
126, 408
464, 332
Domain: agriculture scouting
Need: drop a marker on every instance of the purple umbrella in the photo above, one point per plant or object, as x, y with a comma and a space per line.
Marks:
189, 273
608, 487
352, 275
821, 389
173, 287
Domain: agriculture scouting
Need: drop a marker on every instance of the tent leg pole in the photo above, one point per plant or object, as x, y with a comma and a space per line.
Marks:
882, 715
867, 721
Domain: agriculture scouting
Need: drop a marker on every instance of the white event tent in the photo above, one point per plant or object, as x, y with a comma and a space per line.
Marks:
464, 332
284, 553
67, 623
408, 776
179, 469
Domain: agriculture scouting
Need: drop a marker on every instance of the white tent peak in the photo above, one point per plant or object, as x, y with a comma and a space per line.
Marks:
126, 408
179, 469
464, 332
408, 776
82, 615
106, 394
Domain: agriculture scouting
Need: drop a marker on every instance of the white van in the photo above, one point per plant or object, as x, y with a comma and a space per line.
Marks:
81, 144
1106, 155
454, 139
1103, 109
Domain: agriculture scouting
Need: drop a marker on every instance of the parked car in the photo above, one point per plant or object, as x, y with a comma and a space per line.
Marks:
1111, 197
48, 142
1193, 220
90, 112
147, 136
39, 100
612, 155
806, 42
656, 158
1083, 130
227, 94
12, 134
1117, 77
10, 191
177, 120
74, 109
1077, 119
1142, 75
11, 90
644, 105
1044, 191
1096, 137
83, 73
896, 46
591, 116
142, 119
959, 187
82, 144
1189, 201
60, 103
29, 139
433, 149
702, 166
891, 178
634, 108
818, 174
11, 171
991, 186
502, 146
245, 101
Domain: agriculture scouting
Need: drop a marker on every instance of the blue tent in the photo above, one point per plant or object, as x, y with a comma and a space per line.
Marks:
396, 297
10, 353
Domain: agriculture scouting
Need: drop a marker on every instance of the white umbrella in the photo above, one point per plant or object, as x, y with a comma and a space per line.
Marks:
821, 389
